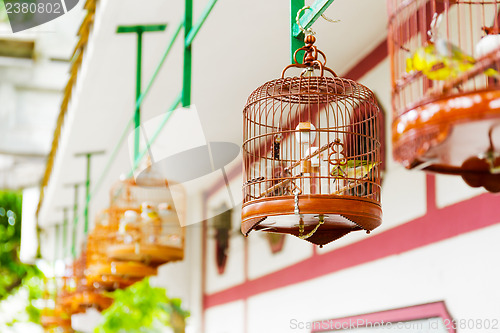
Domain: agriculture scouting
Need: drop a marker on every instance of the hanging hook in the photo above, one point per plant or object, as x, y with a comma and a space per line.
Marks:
309, 30
329, 19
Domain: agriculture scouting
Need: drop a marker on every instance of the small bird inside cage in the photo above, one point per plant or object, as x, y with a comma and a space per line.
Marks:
440, 59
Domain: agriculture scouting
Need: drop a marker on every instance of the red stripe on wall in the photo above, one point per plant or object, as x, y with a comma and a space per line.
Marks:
437, 225
369, 62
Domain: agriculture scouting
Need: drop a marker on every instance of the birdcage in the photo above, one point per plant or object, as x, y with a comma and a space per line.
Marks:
156, 236
105, 272
311, 154
79, 293
53, 317
445, 57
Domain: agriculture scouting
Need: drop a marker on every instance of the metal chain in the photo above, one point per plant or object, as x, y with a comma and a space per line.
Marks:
296, 201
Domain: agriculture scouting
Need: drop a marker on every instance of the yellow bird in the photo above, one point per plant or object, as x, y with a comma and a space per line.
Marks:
356, 169
439, 60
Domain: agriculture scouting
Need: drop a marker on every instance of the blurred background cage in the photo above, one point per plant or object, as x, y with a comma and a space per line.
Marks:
79, 293
445, 57
154, 235
53, 316
311, 152
103, 272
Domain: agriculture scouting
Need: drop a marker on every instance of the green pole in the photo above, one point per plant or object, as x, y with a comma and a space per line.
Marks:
87, 193
56, 241
65, 232
87, 197
186, 77
75, 221
88, 155
137, 114
295, 42
139, 30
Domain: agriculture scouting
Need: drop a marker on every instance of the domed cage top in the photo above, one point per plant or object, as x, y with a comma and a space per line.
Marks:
445, 57
311, 154
155, 235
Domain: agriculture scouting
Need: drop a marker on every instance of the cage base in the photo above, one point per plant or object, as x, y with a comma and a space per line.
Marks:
80, 301
340, 215
452, 135
154, 255
53, 321
111, 282
126, 268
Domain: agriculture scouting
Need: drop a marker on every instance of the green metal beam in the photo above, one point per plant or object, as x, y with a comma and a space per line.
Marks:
159, 66
186, 75
57, 237
75, 221
88, 155
310, 16
153, 138
65, 232
295, 42
184, 97
139, 30
137, 107
194, 31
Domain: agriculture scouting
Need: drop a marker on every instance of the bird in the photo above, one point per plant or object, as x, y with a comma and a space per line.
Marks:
439, 59
489, 43
355, 169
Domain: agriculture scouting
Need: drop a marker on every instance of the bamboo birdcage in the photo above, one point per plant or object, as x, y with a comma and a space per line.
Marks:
103, 271
445, 57
311, 154
157, 241
79, 293
53, 317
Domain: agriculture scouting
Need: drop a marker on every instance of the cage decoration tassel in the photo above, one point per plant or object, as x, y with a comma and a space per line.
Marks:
445, 57
311, 153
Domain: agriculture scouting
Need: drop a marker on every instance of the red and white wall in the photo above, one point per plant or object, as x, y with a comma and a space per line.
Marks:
436, 255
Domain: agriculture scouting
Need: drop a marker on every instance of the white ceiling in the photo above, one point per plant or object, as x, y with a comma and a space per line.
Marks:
30, 95
242, 45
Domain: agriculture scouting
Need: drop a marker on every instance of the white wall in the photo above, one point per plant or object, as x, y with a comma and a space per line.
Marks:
460, 271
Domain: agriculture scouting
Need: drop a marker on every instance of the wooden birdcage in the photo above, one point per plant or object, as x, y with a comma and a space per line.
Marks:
79, 293
53, 317
156, 237
311, 154
445, 57
103, 271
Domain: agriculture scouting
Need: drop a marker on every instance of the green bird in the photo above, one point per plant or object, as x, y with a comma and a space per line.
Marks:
356, 169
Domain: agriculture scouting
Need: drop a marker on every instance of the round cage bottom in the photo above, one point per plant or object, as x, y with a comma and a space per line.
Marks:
80, 301
118, 268
55, 318
152, 254
453, 135
111, 282
321, 218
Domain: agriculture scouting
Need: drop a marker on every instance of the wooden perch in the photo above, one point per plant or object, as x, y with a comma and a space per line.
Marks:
288, 169
317, 152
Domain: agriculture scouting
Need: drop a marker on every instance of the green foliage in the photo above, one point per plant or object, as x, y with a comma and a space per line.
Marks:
3, 12
34, 286
13, 273
142, 308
